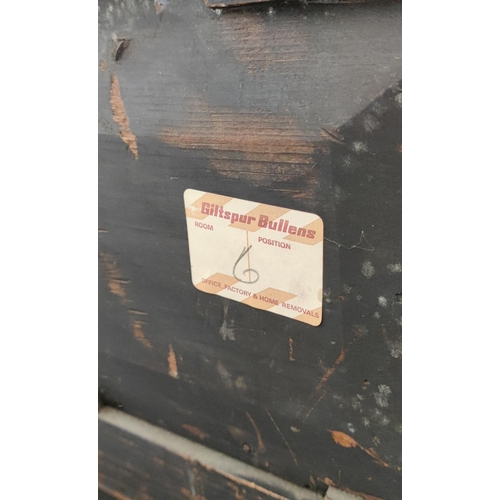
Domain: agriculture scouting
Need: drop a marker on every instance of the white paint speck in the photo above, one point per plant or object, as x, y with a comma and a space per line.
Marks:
376, 315
359, 147
360, 330
395, 268
271, 11
218, 12
366, 422
378, 109
382, 396
351, 428
367, 269
399, 98
395, 348
346, 288
370, 123
382, 301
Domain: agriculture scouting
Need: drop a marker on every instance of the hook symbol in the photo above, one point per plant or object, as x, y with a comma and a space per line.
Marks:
242, 254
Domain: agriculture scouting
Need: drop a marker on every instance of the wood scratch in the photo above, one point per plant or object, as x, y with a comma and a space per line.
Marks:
138, 313
120, 117
139, 334
331, 370
113, 277
343, 439
195, 431
260, 448
314, 406
283, 437
172, 363
290, 349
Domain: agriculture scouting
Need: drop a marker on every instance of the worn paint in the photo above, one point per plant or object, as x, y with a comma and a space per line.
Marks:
195, 431
114, 279
120, 117
250, 145
139, 334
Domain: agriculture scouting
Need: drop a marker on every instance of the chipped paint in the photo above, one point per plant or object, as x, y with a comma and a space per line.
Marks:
172, 363
121, 118
290, 349
346, 441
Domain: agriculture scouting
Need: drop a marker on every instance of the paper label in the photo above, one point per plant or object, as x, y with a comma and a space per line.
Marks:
266, 257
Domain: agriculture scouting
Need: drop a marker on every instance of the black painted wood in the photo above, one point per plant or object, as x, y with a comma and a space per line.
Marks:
301, 110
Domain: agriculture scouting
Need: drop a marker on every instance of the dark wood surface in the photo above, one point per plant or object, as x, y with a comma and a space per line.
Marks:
300, 109
140, 461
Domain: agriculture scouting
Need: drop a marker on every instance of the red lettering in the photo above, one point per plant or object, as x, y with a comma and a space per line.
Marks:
263, 220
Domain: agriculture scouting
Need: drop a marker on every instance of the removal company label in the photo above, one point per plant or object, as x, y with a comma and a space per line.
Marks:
267, 257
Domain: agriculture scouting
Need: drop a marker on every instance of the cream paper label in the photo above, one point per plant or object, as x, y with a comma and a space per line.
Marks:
267, 257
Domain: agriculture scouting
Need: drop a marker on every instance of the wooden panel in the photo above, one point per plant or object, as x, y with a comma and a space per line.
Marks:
301, 109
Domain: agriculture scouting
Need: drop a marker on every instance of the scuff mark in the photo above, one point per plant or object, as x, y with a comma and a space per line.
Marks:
260, 445
195, 431
362, 240
121, 118
240, 384
139, 334
290, 349
224, 375
284, 440
346, 441
172, 363
113, 277
226, 331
